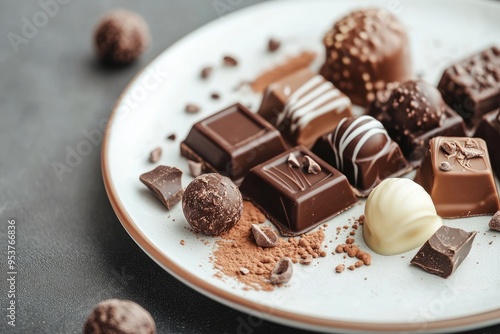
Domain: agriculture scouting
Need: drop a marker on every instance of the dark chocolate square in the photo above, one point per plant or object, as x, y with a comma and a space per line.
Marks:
294, 199
232, 141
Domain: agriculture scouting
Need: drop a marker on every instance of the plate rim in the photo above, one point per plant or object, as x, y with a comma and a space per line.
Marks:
234, 301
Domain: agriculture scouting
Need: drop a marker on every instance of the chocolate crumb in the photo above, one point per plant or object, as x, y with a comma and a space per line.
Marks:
358, 264
351, 267
172, 137
349, 241
264, 237
244, 271
489, 243
195, 168
340, 268
307, 260
215, 96
273, 45
230, 61
192, 108
183, 242
282, 272
312, 166
205, 72
495, 222
322, 254
155, 155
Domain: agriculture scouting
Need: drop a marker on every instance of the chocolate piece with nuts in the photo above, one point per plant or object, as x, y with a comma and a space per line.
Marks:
282, 272
165, 183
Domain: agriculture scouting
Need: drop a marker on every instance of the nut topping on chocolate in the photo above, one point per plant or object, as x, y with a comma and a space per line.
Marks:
450, 148
462, 153
445, 166
282, 272
312, 166
495, 222
292, 161
264, 237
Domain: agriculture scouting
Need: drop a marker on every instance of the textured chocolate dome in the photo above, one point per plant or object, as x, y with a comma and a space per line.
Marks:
364, 51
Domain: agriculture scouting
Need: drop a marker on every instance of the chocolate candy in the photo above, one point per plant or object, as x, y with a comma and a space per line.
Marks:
165, 183
119, 316
444, 251
414, 113
121, 37
467, 188
364, 51
472, 86
231, 142
489, 130
293, 198
212, 204
399, 216
304, 106
363, 151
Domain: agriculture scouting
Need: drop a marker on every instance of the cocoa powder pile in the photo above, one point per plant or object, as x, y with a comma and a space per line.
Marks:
237, 255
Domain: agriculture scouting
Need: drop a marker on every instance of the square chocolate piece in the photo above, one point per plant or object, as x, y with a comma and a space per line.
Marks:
472, 86
361, 149
304, 106
231, 142
297, 190
489, 130
444, 251
458, 176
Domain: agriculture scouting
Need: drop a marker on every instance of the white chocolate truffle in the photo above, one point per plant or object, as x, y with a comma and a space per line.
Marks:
399, 216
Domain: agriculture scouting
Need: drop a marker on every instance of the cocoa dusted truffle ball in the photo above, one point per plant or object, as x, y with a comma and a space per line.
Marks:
212, 204
121, 37
416, 105
115, 316
365, 50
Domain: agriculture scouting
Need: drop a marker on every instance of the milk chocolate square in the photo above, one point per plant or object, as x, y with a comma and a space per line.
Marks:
458, 176
232, 141
472, 86
489, 130
304, 106
295, 197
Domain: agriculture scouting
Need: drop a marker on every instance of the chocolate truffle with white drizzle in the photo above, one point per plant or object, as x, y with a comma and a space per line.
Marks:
361, 149
304, 106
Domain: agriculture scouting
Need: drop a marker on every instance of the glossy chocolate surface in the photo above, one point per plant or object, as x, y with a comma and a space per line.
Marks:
413, 114
304, 106
458, 176
231, 142
165, 183
363, 151
293, 198
444, 251
365, 50
489, 130
472, 86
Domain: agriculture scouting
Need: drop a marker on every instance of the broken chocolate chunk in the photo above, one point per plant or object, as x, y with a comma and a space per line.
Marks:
282, 272
155, 155
273, 45
495, 222
205, 72
444, 251
165, 183
192, 108
195, 168
172, 137
264, 237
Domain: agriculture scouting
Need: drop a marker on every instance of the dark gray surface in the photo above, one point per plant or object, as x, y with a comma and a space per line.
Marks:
72, 251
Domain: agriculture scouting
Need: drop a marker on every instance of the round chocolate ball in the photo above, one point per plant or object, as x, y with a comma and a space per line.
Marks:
115, 316
415, 106
212, 204
365, 50
121, 37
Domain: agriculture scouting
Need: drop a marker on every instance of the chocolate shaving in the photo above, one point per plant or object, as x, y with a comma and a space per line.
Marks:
495, 222
292, 161
445, 166
230, 61
312, 166
282, 272
264, 237
155, 155
192, 108
195, 168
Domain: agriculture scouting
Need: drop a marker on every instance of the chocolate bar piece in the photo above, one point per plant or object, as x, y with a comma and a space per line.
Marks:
414, 113
304, 106
297, 190
365, 50
458, 176
363, 151
472, 86
231, 142
165, 183
444, 251
489, 130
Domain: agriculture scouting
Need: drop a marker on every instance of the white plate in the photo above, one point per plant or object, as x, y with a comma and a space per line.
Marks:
394, 296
